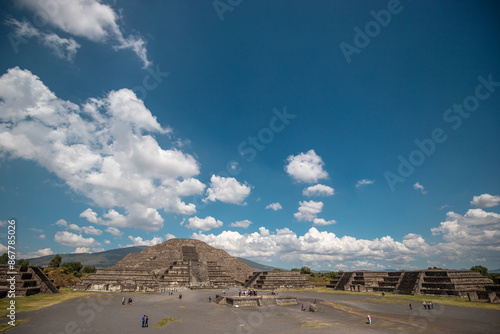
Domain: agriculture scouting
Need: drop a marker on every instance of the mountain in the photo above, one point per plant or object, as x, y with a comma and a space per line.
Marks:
495, 271
99, 260
258, 266
110, 257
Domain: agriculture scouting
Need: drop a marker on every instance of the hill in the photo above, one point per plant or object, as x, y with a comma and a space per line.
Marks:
99, 260
111, 257
258, 266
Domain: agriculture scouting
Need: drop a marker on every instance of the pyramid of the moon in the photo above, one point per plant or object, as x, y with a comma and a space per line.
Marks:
174, 263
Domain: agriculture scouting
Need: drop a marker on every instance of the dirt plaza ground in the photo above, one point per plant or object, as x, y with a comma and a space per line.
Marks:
337, 313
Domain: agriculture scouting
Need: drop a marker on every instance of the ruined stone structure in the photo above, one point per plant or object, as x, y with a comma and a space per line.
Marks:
174, 263
273, 280
264, 300
28, 281
493, 291
460, 283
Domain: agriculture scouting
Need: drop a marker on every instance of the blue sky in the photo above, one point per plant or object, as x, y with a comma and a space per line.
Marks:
334, 135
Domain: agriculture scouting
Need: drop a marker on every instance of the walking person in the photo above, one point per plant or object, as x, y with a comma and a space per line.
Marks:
147, 320
123, 300
369, 319
143, 320
410, 306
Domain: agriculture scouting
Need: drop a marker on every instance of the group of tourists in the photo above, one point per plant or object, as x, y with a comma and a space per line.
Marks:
247, 293
145, 320
129, 301
428, 305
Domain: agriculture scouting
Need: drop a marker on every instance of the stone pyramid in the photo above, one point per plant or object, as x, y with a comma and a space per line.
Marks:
174, 263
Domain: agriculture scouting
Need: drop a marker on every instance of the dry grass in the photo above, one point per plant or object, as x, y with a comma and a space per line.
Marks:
5, 326
314, 325
165, 321
41, 300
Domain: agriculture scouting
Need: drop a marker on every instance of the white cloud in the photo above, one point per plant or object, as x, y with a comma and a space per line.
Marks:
64, 48
107, 242
114, 231
314, 247
318, 190
469, 237
306, 167
102, 149
3, 249
323, 222
242, 223
37, 230
274, 206
205, 224
308, 211
169, 236
61, 222
138, 241
364, 182
38, 253
70, 239
3, 223
89, 19
227, 190
418, 186
85, 229
485, 201
80, 250
42, 236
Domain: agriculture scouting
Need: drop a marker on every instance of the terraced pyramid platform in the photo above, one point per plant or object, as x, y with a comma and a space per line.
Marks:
174, 263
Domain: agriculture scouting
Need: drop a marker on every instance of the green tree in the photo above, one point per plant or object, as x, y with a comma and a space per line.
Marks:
4, 258
23, 262
305, 270
56, 261
72, 267
88, 270
331, 275
295, 269
481, 269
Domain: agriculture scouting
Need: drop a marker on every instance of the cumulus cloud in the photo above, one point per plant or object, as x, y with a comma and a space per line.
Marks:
274, 206
364, 182
3, 249
114, 231
318, 190
227, 190
61, 222
473, 235
204, 224
85, 229
242, 223
71, 239
138, 241
103, 149
169, 236
321, 248
485, 201
418, 186
64, 48
81, 250
323, 222
306, 167
308, 211
89, 19
38, 253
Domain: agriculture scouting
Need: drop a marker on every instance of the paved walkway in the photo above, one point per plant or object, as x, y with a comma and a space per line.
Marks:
339, 313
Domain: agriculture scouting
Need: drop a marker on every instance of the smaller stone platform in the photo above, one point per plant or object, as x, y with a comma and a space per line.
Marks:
256, 301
